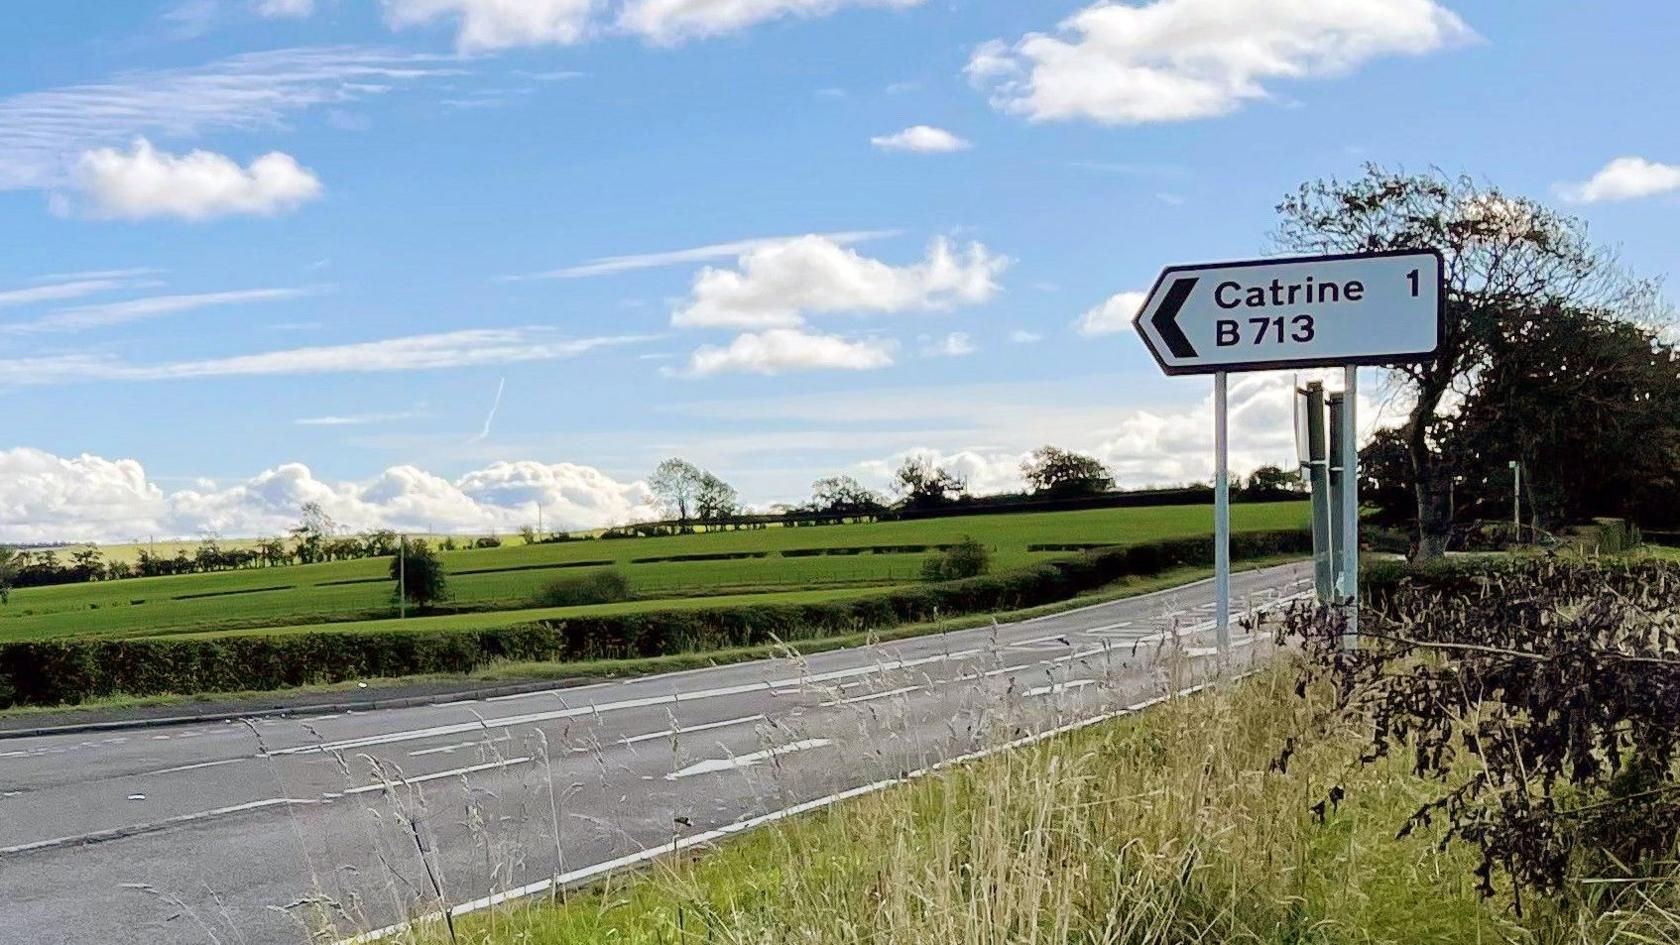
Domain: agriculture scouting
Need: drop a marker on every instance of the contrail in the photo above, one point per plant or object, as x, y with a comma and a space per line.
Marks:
501, 385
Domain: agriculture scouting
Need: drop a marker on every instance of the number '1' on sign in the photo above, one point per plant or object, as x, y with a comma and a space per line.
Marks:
1375, 308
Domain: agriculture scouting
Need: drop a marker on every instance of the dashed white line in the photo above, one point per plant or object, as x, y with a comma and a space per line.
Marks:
716, 765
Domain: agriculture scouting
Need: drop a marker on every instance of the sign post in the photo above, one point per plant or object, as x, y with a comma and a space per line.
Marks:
1297, 312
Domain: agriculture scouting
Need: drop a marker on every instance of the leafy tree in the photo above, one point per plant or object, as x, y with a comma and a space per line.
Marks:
1507, 259
676, 484
1590, 406
1274, 478
378, 544
716, 499
920, 483
1056, 471
312, 532
967, 558
9, 566
88, 564
528, 534
419, 573
843, 495
1385, 479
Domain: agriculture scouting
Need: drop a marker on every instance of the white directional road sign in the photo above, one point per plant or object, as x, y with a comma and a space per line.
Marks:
1370, 308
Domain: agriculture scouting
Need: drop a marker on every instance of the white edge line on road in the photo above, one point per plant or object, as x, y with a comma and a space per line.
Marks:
120, 832
598, 870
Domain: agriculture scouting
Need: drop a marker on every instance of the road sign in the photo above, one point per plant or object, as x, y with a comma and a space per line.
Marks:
1314, 311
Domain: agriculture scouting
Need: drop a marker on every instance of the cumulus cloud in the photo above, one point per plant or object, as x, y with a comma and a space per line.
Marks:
144, 182
986, 472
1625, 178
673, 21
777, 286
954, 345
44, 497
921, 139
1174, 60
781, 350
1114, 315
48, 130
1021, 336
488, 25
285, 9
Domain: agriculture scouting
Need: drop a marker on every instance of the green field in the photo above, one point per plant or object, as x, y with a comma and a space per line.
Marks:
793, 564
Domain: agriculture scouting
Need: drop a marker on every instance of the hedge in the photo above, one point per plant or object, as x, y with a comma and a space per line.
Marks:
71, 671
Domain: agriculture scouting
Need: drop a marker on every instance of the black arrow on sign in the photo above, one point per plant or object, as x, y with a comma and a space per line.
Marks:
1165, 318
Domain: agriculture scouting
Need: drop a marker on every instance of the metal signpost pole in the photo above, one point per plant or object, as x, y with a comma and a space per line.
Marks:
1324, 536
1221, 521
1338, 528
1350, 506
1516, 500
402, 577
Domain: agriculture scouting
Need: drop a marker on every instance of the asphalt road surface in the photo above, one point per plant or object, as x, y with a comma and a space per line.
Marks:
260, 832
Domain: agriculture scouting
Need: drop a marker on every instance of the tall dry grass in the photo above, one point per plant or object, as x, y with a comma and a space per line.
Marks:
1164, 828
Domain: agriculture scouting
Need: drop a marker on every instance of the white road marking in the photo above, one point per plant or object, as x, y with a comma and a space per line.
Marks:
870, 696
596, 871
652, 736
1060, 688
461, 728
195, 767
448, 749
422, 779
1060, 638
715, 765
130, 831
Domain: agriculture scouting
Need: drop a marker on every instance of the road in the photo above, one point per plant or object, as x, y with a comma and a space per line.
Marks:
260, 831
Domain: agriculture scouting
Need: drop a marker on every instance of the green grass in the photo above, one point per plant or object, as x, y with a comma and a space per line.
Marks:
1167, 827
313, 594
510, 671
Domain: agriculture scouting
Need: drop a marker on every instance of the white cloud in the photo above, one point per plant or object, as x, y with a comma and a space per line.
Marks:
488, 25
48, 498
467, 348
673, 21
1114, 315
1173, 60
1021, 336
202, 185
921, 139
985, 472
73, 288
780, 284
116, 313
360, 419
1625, 178
610, 264
784, 350
285, 9
46, 131
954, 345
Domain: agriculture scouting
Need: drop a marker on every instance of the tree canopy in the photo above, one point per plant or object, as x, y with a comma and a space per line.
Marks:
1055, 471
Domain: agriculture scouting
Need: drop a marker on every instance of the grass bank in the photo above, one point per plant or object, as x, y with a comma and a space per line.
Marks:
1165, 827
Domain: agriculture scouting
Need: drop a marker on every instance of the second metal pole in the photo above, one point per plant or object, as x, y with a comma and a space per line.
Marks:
1221, 520
1350, 506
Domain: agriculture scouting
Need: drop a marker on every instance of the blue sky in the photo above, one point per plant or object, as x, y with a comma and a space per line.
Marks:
264, 251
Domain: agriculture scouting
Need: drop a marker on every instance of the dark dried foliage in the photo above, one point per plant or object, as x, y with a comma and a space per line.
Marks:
1545, 695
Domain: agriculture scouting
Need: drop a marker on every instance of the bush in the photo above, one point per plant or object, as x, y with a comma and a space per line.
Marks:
967, 558
71, 671
418, 574
594, 587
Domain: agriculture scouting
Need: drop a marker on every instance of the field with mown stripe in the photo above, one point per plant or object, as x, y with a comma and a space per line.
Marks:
498, 584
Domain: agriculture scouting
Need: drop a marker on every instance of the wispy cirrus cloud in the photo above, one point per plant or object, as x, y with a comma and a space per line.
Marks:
83, 317
606, 265
430, 352
44, 133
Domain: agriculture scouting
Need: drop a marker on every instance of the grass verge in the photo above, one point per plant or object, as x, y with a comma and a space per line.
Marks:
617, 669
1165, 827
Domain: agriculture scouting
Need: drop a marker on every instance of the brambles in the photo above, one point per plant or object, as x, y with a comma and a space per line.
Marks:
1545, 695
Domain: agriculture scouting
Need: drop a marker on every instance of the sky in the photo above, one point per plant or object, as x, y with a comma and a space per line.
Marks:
437, 264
